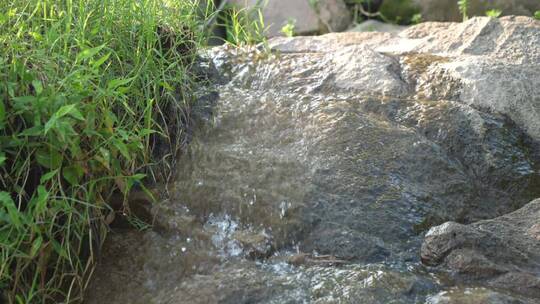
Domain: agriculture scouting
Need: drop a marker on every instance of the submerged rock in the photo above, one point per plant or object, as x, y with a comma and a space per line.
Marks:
503, 252
476, 295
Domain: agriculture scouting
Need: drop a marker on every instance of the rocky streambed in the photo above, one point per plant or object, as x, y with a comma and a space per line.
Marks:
353, 168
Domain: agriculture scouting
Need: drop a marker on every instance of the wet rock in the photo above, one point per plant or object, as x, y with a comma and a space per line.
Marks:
503, 252
306, 259
350, 244
481, 50
284, 283
476, 296
447, 10
310, 17
255, 245
344, 169
352, 145
309, 154
476, 53
135, 266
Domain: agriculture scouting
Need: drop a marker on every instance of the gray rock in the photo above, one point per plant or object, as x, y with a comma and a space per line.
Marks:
458, 61
309, 17
373, 25
481, 51
447, 10
503, 252
352, 145
420, 144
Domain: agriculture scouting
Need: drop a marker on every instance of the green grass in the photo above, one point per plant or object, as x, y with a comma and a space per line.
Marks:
401, 11
90, 91
494, 13
463, 6
288, 29
244, 26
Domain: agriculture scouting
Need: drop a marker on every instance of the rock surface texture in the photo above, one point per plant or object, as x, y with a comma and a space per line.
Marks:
345, 149
503, 252
484, 62
447, 10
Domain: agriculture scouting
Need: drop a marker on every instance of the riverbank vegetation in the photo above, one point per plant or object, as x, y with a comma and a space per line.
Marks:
90, 93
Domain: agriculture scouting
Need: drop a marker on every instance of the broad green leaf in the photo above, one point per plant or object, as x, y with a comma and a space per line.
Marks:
59, 249
69, 109
23, 100
63, 111
34, 131
96, 64
167, 86
50, 124
73, 174
46, 177
2, 158
13, 212
37, 36
135, 179
115, 83
36, 246
37, 86
145, 132
41, 200
65, 131
77, 114
11, 142
88, 53
118, 144
4, 218
11, 86
123, 90
49, 158
75, 147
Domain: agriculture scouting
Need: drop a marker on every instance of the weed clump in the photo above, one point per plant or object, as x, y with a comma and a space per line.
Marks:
89, 91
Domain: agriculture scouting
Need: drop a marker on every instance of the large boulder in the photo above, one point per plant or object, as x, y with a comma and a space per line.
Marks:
503, 252
447, 10
365, 129
484, 62
350, 147
309, 17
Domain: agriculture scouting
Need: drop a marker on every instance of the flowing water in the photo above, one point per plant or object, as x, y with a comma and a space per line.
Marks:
296, 192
